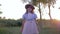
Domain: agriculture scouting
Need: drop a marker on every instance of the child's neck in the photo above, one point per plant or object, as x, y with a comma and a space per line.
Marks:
29, 12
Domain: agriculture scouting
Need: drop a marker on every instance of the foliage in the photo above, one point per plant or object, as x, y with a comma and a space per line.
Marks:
0, 12
10, 22
45, 3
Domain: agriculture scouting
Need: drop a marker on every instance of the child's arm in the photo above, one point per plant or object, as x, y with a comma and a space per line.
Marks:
22, 24
23, 21
36, 21
37, 25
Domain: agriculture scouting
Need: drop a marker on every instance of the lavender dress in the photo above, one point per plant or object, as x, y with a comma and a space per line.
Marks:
30, 26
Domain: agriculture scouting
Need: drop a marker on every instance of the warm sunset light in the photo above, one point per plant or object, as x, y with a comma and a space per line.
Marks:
14, 20
14, 9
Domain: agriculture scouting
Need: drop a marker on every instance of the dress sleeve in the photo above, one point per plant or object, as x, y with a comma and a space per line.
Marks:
35, 16
23, 16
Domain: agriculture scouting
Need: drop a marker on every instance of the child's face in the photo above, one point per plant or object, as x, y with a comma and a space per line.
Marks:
29, 9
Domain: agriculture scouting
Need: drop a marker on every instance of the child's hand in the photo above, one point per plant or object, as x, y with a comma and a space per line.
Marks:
21, 29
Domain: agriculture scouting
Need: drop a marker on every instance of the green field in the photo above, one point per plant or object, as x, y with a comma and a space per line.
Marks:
16, 30
10, 30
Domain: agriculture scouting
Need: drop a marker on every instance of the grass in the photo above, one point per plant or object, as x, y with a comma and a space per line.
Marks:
10, 30
48, 31
16, 30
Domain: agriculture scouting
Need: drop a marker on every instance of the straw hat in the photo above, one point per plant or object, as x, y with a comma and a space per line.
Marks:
29, 6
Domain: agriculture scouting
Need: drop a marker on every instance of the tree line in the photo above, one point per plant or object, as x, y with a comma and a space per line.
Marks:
10, 22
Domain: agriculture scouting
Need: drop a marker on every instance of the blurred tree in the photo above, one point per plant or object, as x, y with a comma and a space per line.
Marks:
4, 17
0, 17
0, 9
0, 12
48, 3
19, 22
59, 8
0, 5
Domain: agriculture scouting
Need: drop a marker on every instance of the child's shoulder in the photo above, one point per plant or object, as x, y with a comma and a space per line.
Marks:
34, 13
24, 14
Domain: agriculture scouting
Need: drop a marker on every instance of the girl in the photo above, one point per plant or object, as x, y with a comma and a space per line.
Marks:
29, 25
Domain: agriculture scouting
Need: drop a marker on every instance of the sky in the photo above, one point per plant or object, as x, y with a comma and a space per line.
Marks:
14, 9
